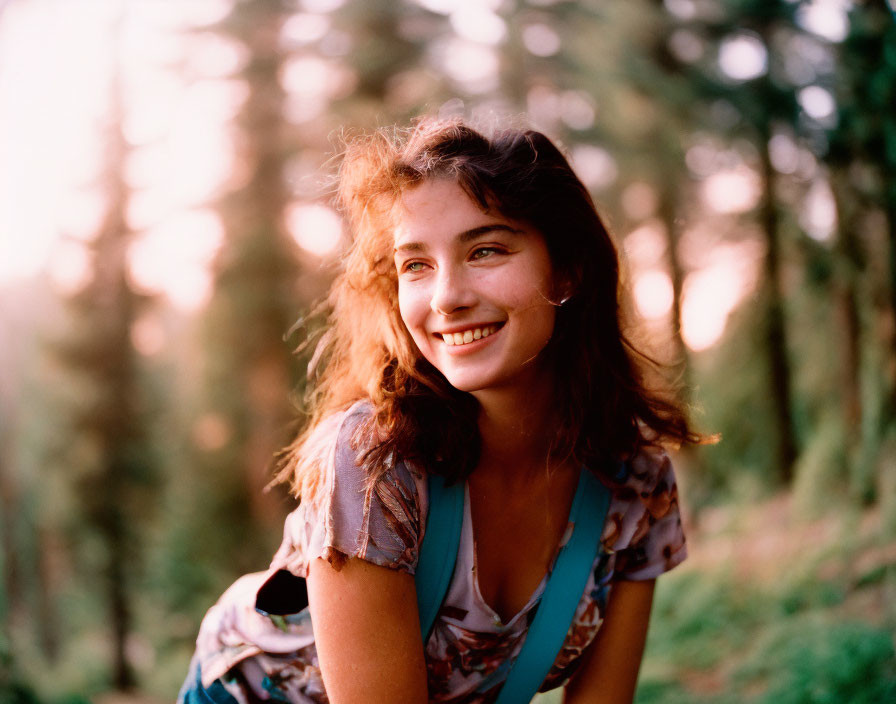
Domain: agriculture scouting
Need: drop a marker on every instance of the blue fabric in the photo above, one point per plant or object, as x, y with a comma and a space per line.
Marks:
562, 593
558, 603
193, 692
438, 552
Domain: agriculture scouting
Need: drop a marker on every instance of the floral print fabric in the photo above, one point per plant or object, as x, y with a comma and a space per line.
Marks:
470, 650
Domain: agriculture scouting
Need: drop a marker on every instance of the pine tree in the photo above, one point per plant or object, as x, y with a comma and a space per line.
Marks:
249, 371
112, 491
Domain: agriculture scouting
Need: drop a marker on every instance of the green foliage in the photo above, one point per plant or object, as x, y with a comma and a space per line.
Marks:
17, 692
815, 661
719, 639
886, 472
821, 471
13, 690
697, 621
738, 409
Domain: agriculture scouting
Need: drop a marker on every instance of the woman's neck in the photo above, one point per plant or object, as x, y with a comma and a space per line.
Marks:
517, 426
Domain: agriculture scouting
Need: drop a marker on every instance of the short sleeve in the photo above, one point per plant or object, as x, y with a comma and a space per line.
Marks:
345, 519
644, 521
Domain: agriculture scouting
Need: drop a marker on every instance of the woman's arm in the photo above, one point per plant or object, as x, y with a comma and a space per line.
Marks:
367, 633
609, 671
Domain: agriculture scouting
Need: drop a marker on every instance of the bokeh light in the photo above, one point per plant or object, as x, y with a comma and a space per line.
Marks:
316, 228
743, 56
653, 294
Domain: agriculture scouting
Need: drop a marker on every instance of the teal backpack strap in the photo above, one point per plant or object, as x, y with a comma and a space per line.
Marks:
562, 593
438, 552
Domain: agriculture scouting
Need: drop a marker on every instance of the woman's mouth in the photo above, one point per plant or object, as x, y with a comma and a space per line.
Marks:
469, 335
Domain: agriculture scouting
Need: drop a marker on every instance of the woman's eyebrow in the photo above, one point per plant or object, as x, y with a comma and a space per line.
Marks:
462, 237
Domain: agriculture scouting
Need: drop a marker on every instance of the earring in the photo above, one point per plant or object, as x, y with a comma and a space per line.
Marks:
564, 300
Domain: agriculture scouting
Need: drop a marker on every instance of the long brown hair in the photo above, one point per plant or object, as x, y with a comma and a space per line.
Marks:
607, 408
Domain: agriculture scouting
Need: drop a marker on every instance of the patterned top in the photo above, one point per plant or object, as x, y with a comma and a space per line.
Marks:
470, 649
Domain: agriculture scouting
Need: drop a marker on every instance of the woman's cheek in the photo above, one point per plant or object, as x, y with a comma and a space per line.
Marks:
413, 312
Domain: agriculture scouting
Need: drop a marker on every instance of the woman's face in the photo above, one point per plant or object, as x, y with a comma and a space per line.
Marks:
474, 289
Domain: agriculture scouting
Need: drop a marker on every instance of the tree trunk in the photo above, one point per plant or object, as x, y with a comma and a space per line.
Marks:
775, 332
48, 623
668, 201
848, 265
12, 601
890, 200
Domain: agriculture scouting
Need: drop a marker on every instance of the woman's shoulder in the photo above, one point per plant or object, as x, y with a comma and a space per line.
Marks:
644, 527
374, 513
646, 472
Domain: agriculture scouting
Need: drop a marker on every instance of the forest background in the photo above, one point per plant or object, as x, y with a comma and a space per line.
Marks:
165, 232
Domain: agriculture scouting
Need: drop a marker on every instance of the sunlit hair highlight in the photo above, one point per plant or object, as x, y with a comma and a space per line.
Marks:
606, 408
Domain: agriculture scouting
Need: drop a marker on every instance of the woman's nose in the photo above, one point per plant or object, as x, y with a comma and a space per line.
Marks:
452, 292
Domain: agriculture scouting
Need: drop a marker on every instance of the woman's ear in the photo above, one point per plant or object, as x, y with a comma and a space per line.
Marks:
564, 291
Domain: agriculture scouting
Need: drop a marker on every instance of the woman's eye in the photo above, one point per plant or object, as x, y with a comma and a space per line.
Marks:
413, 266
483, 252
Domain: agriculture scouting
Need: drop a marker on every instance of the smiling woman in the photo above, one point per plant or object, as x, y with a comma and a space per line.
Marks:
463, 272
480, 404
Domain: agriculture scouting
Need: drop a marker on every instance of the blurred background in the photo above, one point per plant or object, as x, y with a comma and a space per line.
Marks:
165, 169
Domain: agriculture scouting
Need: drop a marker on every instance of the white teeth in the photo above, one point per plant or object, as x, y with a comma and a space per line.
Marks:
467, 336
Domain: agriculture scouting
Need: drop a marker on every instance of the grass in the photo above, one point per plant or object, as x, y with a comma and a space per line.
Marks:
809, 618
769, 609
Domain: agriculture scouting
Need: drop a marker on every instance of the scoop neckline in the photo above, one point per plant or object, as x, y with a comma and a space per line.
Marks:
474, 575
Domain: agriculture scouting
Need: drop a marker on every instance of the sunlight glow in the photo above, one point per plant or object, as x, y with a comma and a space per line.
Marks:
682, 9
150, 93
70, 267
710, 294
148, 335
707, 302
197, 13
473, 65
441, 7
304, 28
817, 102
819, 212
701, 159
732, 191
639, 200
52, 129
654, 295
174, 257
212, 56
707, 156
315, 228
322, 6
595, 166
646, 245
826, 18
784, 153
543, 107
743, 56
446, 7
541, 39
478, 24
44, 157
311, 82
576, 109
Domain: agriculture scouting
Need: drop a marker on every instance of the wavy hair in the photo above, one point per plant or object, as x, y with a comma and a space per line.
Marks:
607, 408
